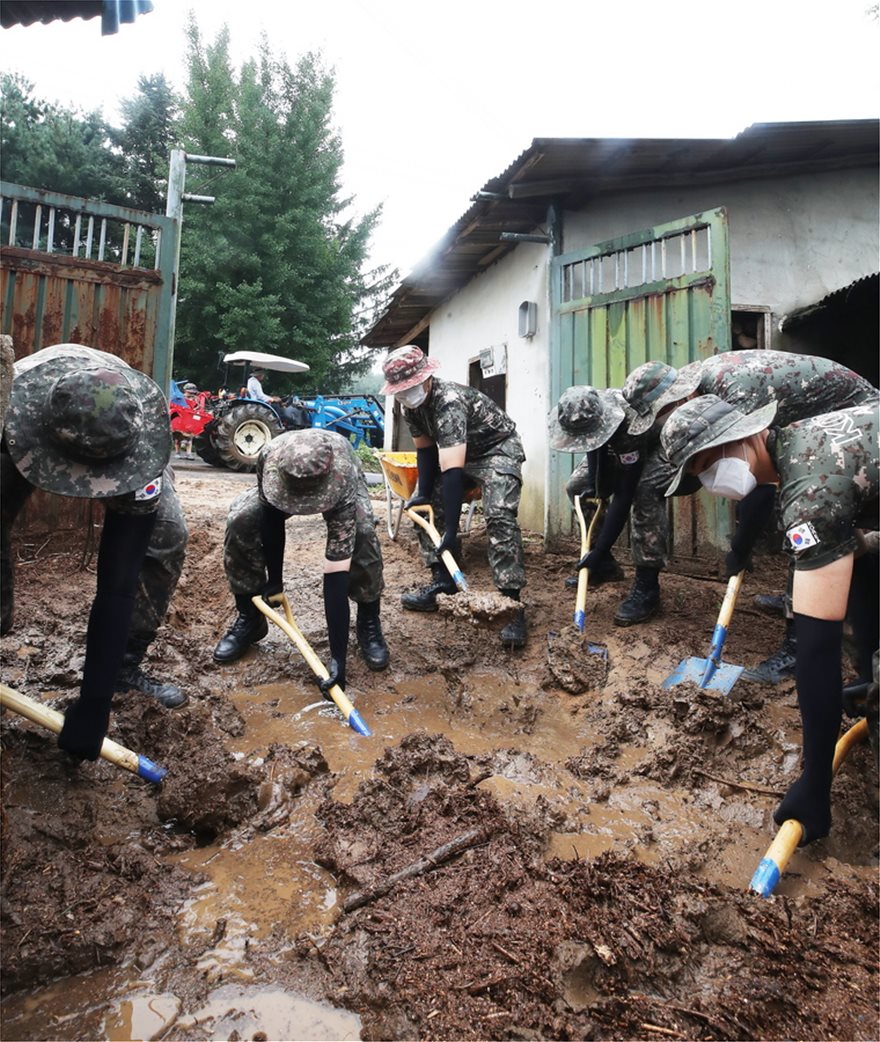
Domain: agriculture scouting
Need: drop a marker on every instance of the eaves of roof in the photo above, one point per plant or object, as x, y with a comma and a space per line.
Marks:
861, 293
568, 172
112, 12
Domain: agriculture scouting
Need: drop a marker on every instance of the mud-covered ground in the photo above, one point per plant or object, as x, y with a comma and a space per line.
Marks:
546, 844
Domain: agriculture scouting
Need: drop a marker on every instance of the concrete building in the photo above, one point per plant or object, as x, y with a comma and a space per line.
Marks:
587, 257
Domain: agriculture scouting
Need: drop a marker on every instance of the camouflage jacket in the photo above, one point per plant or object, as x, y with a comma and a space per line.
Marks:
803, 385
828, 481
455, 415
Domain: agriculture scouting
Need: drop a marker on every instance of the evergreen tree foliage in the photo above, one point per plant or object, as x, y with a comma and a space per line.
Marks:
46, 146
276, 264
147, 135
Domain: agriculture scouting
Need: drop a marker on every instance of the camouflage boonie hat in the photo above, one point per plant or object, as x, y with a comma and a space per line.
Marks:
306, 472
702, 424
651, 386
84, 423
406, 367
585, 418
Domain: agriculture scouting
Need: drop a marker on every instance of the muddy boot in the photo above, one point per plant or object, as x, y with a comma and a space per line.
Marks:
249, 627
778, 666
609, 571
369, 636
132, 678
514, 633
425, 598
643, 600
770, 603
7, 586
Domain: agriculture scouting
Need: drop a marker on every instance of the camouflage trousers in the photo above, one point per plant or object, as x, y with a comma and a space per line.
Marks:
159, 573
245, 562
649, 520
499, 478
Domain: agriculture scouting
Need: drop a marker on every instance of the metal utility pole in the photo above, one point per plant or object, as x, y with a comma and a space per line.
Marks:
174, 208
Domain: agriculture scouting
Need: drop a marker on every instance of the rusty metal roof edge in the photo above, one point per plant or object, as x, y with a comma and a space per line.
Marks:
801, 315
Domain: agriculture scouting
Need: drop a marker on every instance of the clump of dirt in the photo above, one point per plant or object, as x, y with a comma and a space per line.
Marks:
575, 664
475, 606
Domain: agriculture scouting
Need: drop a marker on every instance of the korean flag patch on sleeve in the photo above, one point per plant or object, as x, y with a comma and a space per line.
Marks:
149, 491
802, 537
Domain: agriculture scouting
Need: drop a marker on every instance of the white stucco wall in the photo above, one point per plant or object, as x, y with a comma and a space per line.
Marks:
485, 314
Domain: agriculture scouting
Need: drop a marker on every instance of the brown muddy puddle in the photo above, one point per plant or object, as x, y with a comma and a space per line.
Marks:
256, 884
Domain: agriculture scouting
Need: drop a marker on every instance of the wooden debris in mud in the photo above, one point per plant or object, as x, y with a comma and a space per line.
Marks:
436, 857
575, 668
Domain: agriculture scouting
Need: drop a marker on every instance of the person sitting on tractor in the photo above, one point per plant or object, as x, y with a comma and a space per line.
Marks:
311, 471
83, 423
255, 387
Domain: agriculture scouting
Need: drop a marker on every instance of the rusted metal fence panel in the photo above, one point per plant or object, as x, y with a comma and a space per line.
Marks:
660, 294
82, 271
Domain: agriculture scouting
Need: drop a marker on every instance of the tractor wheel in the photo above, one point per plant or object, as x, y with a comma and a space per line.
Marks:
241, 432
205, 447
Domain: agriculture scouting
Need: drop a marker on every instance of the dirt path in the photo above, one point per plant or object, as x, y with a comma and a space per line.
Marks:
609, 827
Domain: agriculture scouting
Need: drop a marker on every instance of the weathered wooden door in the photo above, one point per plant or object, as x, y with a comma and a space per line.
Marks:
658, 294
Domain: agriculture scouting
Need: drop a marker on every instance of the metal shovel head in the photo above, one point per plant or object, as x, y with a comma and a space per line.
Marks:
692, 671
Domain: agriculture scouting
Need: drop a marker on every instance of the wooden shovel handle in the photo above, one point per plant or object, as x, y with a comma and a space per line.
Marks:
586, 542
428, 525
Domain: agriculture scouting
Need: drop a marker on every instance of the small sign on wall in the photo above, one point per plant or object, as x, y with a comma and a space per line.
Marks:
493, 360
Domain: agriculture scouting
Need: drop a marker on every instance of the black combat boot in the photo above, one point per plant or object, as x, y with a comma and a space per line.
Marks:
132, 678
609, 571
369, 636
779, 665
643, 600
514, 633
249, 626
770, 603
425, 598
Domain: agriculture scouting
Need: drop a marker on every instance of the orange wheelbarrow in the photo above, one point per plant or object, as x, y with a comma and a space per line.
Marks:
401, 480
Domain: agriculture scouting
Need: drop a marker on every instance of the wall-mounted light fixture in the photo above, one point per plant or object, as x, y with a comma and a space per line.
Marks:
528, 318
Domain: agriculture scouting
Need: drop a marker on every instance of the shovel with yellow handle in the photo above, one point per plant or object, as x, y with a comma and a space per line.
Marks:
54, 721
287, 625
774, 862
415, 513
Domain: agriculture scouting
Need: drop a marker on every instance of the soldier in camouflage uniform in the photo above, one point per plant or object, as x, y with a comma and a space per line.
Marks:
631, 471
464, 435
828, 471
802, 385
307, 472
83, 423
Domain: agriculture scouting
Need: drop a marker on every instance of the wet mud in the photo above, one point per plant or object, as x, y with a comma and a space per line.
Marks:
534, 844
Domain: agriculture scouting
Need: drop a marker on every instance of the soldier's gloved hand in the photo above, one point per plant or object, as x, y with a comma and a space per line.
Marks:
336, 676
417, 501
734, 563
449, 542
591, 560
272, 592
85, 725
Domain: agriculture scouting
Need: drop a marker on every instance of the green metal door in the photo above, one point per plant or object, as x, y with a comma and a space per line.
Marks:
658, 294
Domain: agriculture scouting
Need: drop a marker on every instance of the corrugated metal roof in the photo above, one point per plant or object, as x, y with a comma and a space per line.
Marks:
570, 171
859, 293
112, 12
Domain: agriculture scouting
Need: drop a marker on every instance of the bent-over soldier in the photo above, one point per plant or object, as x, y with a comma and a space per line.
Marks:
828, 471
310, 471
82, 422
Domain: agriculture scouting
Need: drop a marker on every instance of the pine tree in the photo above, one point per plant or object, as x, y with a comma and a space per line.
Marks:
276, 264
147, 135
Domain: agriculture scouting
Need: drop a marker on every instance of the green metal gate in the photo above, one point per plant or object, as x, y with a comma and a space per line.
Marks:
659, 294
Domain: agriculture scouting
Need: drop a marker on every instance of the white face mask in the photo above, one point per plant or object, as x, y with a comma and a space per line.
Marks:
729, 477
412, 397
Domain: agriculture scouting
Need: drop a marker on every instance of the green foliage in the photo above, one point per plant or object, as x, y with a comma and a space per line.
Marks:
145, 140
46, 146
276, 263
367, 456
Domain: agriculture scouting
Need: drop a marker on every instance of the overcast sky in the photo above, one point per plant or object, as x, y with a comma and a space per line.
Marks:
434, 99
